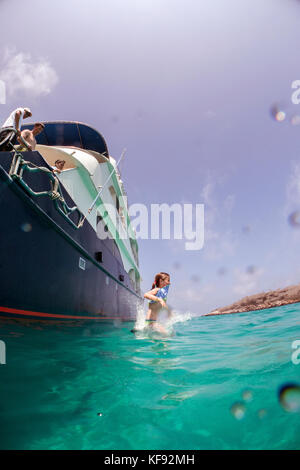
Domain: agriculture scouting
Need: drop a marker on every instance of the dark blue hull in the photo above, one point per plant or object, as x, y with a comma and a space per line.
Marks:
48, 269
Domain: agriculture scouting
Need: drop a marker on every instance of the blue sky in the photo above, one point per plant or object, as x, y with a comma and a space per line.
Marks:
187, 87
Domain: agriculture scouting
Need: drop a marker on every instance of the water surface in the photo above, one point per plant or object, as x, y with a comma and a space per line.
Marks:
212, 384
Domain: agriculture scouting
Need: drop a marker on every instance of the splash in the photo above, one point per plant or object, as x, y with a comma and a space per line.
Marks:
140, 322
164, 320
177, 317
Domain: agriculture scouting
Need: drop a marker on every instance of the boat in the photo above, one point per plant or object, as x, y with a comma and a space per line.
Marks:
68, 250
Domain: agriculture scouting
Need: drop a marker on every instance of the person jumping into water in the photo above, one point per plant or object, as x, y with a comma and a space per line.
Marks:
158, 297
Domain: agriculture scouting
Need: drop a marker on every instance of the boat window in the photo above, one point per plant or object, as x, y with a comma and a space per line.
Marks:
132, 277
102, 229
133, 245
70, 134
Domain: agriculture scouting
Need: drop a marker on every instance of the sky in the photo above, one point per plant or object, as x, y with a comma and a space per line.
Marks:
189, 88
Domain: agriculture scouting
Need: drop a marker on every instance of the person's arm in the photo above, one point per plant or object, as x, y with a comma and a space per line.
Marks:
17, 121
151, 295
26, 136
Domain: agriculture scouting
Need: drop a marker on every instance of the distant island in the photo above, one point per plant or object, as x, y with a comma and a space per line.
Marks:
275, 298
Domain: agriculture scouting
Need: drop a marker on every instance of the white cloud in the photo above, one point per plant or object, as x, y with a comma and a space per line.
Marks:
247, 283
218, 238
209, 114
24, 75
291, 211
196, 298
229, 203
293, 190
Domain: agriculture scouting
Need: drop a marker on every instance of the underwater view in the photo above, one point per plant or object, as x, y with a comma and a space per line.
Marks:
221, 382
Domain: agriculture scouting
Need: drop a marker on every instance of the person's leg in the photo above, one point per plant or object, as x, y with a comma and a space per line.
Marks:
156, 326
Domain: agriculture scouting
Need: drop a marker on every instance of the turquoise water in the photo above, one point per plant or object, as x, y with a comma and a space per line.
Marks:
103, 387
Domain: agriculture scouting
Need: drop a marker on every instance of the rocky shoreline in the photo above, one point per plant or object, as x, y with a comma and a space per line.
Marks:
276, 298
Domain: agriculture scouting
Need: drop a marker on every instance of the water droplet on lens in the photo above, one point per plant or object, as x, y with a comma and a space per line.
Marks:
262, 413
26, 227
280, 116
247, 395
277, 113
246, 229
294, 219
238, 410
222, 271
251, 269
295, 120
289, 397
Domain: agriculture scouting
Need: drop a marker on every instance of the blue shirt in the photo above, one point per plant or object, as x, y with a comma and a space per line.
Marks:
161, 294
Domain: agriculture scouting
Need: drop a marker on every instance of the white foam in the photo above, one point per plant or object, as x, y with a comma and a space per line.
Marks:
140, 322
164, 319
179, 317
